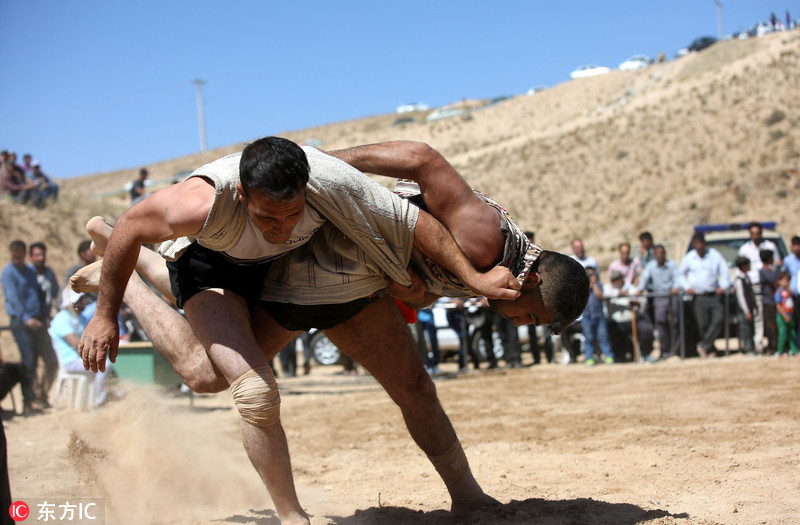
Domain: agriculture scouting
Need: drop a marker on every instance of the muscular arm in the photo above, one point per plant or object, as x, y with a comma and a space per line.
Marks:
473, 223
180, 209
434, 241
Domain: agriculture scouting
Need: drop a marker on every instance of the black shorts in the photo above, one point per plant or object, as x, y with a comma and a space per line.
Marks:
320, 316
199, 269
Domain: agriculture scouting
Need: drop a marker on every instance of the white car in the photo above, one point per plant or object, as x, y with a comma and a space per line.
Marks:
414, 106
589, 71
636, 62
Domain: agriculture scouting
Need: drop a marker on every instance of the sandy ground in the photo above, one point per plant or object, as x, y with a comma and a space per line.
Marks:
692, 442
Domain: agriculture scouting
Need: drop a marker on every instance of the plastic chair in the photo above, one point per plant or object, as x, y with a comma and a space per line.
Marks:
79, 388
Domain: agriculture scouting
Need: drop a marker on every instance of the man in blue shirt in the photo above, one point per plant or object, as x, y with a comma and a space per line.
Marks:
21, 292
791, 264
704, 276
661, 276
593, 322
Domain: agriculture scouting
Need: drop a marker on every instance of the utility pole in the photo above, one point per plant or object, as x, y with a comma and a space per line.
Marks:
201, 120
719, 18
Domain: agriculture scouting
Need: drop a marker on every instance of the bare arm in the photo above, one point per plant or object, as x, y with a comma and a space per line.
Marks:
180, 209
472, 222
434, 241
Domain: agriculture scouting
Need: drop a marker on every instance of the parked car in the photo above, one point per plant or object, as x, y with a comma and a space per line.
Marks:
412, 106
443, 113
536, 89
589, 71
698, 44
728, 238
636, 62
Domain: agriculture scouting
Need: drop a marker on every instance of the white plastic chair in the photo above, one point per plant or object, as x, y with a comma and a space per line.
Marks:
79, 388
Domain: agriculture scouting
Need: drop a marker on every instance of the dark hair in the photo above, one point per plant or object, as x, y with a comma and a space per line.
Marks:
659, 246
83, 246
530, 235
16, 244
645, 235
766, 256
784, 275
37, 245
796, 239
565, 288
275, 166
741, 262
699, 236
755, 225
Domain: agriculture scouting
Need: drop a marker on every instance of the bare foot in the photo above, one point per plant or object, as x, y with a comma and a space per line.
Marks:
99, 230
87, 279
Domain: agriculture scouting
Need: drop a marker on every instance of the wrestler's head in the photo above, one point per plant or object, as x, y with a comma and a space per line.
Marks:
555, 293
273, 174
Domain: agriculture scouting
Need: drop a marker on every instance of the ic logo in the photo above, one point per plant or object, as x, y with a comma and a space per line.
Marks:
19, 511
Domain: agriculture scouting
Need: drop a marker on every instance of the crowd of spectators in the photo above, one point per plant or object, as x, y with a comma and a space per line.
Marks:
25, 183
646, 293
46, 320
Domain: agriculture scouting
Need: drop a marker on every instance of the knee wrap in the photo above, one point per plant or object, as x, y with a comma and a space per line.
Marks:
256, 396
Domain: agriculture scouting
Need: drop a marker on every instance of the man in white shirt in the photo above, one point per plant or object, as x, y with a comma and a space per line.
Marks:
752, 250
704, 276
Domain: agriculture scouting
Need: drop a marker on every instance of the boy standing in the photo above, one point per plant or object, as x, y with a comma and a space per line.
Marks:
746, 300
785, 318
768, 276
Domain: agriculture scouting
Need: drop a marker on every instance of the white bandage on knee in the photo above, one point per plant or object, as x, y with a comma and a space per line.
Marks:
256, 396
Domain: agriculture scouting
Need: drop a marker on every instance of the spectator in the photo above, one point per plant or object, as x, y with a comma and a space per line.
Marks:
27, 165
746, 301
10, 375
533, 340
86, 256
21, 292
785, 318
305, 338
66, 329
751, 249
50, 295
661, 276
792, 265
457, 319
484, 323
645, 252
13, 182
288, 358
509, 338
593, 322
620, 319
567, 334
629, 268
426, 322
704, 276
138, 192
579, 254
45, 187
768, 276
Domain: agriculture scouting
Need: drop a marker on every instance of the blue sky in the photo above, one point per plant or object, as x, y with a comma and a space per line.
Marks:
98, 85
